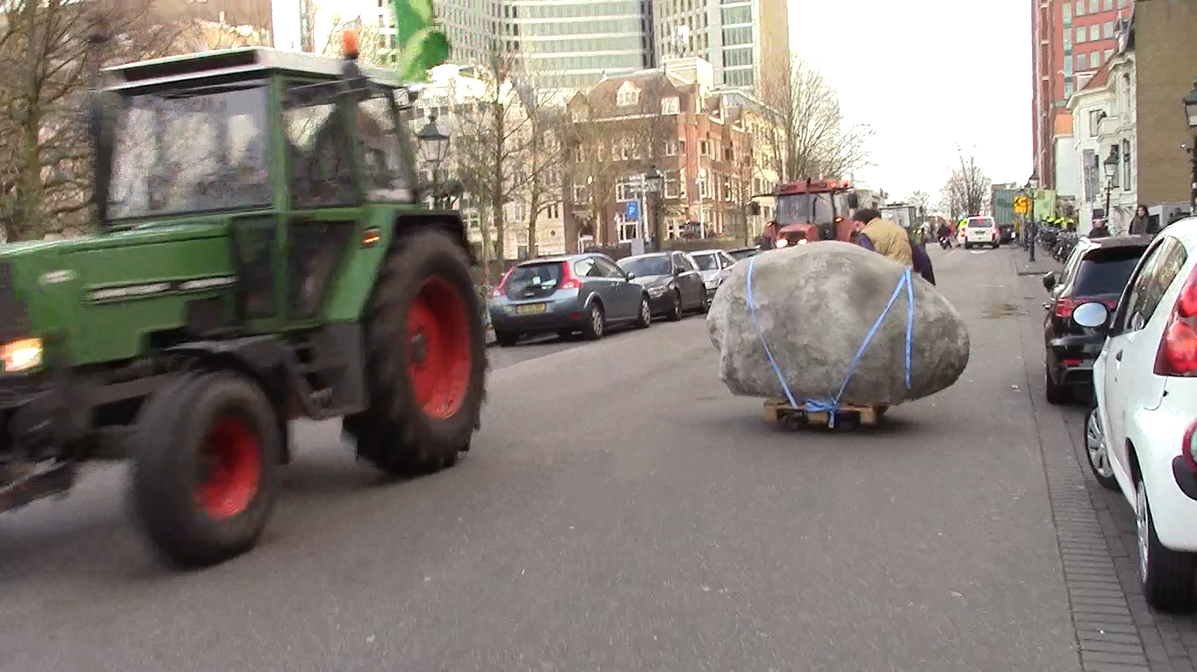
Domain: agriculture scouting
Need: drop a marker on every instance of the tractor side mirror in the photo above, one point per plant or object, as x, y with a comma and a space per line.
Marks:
99, 130
853, 201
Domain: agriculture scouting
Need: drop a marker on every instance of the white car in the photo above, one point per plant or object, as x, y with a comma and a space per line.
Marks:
1140, 435
982, 231
715, 265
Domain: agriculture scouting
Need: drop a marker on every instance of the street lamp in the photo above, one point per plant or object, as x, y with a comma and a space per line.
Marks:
654, 178
1110, 166
434, 147
1190, 102
1032, 227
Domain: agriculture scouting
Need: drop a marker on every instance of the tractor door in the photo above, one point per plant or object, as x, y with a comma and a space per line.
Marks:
324, 208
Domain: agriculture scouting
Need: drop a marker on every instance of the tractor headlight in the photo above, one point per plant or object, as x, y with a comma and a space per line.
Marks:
21, 355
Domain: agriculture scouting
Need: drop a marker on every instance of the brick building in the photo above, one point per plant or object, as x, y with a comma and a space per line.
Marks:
671, 119
1070, 41
1165, 63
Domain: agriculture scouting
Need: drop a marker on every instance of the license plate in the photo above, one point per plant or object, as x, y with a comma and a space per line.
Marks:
531, 309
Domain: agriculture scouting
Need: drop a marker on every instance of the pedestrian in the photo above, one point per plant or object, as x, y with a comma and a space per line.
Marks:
769, 237
1099, 230
1140, 222
892, 241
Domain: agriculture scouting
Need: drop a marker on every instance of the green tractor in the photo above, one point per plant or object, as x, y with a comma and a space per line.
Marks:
263, 254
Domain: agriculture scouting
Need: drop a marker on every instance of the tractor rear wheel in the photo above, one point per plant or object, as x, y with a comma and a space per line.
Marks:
206, 475
426, 359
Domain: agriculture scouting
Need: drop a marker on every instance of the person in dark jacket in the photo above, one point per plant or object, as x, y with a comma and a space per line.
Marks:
1139, 224
1099, 230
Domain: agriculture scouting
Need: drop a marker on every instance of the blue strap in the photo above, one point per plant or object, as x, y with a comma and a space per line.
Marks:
831, 406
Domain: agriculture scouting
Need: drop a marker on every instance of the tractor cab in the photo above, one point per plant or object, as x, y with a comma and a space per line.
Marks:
291, 153
815, 210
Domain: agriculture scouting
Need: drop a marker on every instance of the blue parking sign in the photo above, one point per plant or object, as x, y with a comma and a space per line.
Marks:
633, 211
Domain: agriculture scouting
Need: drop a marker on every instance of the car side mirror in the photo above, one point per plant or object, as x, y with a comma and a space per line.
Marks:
1092, 315
677, 270
1049, 280
631, 275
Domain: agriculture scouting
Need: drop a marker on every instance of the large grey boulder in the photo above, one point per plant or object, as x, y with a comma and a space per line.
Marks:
815, 304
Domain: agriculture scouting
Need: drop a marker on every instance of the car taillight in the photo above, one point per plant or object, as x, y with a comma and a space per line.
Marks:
1188, 445
502, 288
1177, 354
1064, 307
993, 231
568, 281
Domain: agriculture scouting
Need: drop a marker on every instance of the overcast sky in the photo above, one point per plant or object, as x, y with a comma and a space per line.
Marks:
927, 75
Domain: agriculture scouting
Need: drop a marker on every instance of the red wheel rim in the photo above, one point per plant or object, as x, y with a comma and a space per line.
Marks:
438, 329
230, 463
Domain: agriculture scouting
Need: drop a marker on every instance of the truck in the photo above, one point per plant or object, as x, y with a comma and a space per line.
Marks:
262, 253
812, 210
906, 216
1002, 205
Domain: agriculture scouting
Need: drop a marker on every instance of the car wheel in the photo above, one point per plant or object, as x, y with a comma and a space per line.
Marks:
706, 302
1166, 575
646, 314
1056, 394
996, 245
596, 324
968, 246
506, 339
675, 310
1095, 449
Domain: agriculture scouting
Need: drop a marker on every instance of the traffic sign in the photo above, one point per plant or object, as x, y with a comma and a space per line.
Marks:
632, 213
1022, 205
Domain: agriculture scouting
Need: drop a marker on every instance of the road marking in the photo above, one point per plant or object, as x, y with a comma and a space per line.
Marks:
978, 251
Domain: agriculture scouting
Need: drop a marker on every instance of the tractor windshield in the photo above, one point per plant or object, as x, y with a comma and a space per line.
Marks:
192, 150
818, 208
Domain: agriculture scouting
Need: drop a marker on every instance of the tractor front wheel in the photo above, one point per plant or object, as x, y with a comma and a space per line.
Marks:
206, 476
426, 359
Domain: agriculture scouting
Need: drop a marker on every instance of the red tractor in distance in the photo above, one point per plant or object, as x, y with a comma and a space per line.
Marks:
815, 210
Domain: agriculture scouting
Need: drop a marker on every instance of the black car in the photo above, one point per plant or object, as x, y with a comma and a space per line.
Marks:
1097, 270
673, 281
1005, 233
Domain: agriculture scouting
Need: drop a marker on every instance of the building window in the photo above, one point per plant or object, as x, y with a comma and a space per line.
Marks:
704, 148
1107, 30
1107, 5
1082, 62
1068, 70
1080, 35
627, 96
1080, 7
1067, 39
671, 148
625, 191
1094, 6
1094, 32
704, 185
673, 185
1107, 55
1095, 117
628, 230
1068, 90
681, 147
580, 195
1122, 4
1066, 11
670, 105
1094, 59
1126, 165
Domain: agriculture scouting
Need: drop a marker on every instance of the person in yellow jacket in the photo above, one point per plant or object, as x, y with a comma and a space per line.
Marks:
890, 240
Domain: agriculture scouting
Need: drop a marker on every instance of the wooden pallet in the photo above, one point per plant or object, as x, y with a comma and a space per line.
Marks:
780, 411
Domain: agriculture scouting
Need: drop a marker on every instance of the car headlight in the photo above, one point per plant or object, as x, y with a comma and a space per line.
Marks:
657, 291
713, 283
21, 355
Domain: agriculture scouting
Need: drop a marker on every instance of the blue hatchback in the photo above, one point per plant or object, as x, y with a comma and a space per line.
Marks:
584, 292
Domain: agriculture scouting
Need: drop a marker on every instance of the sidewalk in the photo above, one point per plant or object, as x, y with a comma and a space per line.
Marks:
1043, 262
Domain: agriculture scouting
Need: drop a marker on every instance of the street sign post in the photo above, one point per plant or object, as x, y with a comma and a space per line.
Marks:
1022, 205
632, 212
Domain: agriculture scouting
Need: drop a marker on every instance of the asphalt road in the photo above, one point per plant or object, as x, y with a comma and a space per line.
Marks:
619, 511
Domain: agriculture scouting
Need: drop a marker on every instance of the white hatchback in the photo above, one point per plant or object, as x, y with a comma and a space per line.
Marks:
1140, 436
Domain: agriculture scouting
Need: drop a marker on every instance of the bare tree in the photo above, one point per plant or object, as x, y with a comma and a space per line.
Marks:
591, 166
810, 138
45, 178
921, 200
967, 188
